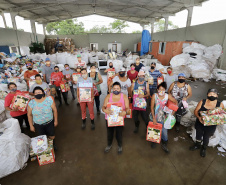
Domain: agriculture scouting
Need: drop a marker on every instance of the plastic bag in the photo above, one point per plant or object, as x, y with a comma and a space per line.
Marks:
39, 144
169, 122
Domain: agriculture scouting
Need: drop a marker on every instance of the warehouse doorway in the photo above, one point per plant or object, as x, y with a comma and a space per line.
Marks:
115, 47
94, 46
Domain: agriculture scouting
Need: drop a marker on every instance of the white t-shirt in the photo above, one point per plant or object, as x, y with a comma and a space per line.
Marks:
124, 85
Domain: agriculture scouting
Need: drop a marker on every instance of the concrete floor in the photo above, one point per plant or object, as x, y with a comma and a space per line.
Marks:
81, 160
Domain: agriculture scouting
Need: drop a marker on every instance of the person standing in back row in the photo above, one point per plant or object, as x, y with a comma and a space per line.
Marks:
97, 80
30, 73
67, 72
170, 77
47, 70
138, 65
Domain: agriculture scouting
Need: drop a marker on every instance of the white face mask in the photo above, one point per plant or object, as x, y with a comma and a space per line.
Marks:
84, 76
161, 93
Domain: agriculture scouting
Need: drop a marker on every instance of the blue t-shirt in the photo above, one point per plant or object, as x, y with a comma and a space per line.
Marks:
155, 74
42, 112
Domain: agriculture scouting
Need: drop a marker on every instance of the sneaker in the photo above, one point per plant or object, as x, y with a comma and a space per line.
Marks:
107, 149
83, 123
119, 150
164, 146
135, 130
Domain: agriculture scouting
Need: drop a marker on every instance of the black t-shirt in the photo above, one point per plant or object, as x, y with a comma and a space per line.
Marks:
137, 68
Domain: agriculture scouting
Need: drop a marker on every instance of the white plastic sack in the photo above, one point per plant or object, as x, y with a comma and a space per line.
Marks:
2, 107
14, 147
53, 58
39, 144
219, 74
61, 58
93, 59
61, 67
169, 122
71, 60
179, 60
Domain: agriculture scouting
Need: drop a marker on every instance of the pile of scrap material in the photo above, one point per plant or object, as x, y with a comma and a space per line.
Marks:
197, 61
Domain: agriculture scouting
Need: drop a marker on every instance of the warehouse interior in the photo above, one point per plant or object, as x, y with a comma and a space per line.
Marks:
80, 158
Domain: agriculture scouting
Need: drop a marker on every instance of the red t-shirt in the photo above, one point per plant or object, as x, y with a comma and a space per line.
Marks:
8, 102
132, 76
56, 78
29, 74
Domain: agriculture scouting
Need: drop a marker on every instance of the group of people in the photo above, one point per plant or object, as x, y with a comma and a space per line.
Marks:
41, 113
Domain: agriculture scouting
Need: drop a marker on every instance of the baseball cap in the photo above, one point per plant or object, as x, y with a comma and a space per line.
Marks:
182, 74
78, 56
122, 69
47, 59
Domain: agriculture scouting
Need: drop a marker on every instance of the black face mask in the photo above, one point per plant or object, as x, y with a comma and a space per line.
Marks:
30, 68
56, 71
122, 74
212, 98
111, 66
181, 80
39, 96
152, 67
116, 92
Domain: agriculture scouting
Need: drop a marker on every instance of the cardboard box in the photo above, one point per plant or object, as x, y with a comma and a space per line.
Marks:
45, 157
64, 86
160, 80
154, 132
75, 76
115, 120
111, 73
85, 94
20, 101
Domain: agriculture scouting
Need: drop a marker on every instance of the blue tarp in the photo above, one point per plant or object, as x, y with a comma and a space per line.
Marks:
146, 38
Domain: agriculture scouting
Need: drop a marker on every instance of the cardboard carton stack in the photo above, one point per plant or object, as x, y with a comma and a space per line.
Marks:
64, 45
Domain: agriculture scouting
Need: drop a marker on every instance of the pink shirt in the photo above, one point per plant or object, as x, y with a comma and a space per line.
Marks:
120, 101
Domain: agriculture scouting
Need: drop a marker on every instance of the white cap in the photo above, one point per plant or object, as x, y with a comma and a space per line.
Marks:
122, 69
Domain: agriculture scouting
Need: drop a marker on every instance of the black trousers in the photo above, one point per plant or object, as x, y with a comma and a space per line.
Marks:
72, 91
65, 94
21, 119
97, 101
144, 116
204, 132
110, 135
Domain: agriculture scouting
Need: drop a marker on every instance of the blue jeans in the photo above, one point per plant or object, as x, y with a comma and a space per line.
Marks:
164, 132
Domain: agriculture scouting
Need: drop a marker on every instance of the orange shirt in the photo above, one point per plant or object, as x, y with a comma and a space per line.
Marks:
29, 74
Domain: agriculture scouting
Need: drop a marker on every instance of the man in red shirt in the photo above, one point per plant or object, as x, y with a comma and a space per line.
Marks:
29, 73
15, 113
56, 78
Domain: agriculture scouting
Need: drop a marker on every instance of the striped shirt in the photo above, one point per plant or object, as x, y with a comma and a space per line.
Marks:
155, 74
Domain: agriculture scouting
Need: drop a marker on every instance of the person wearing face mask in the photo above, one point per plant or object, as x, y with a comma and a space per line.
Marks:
110, 67
170, 77
67, 72
123, 80
203, 133
158, 102
138, 65
47, 70
117, 97
29, 73
40, 83
42, 114
56, 78
181, 91
155, 74
132, 73
97, 80
110, 78
77, 70
15, 113
140, 84
84, 79
80, 63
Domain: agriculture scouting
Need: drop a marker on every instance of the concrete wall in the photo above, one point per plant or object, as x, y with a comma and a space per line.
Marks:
127, 40
207, 34
8, 37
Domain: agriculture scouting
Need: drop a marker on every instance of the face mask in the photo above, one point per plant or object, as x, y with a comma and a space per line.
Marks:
132, 68
38, 96
111, 66
84, 76
14, 90
56, 71
122, 74
38, 81
181, 80
169, 72
161, 93
141, 79
212, 98
30, 68
66, 67
152, 67
116, 92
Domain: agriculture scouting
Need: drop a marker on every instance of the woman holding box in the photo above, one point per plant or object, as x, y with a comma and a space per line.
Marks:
158, 102
116, 97
205, 132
